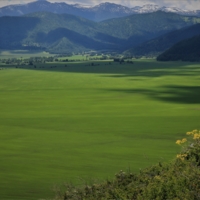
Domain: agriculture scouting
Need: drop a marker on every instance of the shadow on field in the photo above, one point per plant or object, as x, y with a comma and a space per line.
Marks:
171, 93
116, 70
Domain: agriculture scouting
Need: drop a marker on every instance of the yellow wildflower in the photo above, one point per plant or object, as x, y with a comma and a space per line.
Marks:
194, 131
181, 156
183, 140
178, 142
178, 155
196, 136
189, 133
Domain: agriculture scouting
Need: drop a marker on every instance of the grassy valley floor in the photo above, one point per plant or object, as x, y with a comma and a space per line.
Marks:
83, 122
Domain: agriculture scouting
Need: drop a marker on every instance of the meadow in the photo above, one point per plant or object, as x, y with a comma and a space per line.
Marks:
82, 122
4, 54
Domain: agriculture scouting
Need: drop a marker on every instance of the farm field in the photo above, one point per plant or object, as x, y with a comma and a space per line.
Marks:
22, 54
86, 122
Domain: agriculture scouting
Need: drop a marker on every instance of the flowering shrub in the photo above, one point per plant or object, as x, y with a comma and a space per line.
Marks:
178, 180
192, 150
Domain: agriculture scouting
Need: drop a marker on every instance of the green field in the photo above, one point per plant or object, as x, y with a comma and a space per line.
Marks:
81, 122
4, 54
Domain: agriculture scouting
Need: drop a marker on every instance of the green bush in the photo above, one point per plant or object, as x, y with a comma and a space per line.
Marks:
178, 180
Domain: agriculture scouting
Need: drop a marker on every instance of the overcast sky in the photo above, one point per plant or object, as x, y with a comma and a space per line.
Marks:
184, 4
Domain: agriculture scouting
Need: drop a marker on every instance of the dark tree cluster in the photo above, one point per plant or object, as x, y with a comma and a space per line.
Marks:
186, 50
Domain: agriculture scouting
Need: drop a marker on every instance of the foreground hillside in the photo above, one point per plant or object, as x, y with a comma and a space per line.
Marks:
178, 179
186, 50
68, 33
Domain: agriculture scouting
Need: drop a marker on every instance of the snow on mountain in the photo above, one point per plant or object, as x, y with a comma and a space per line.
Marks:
172, 9
180, 11
112, 7
96, 13
80, 6
148, 8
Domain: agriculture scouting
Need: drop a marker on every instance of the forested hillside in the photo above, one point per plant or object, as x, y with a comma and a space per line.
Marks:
69, 33
162, 43
186, 50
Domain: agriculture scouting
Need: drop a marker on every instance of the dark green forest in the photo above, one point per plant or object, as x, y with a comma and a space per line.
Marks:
186, 50
164, 42
68, 33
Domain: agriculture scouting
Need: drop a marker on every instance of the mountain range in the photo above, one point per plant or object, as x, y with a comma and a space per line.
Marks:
63, 33
65, 28
99, 12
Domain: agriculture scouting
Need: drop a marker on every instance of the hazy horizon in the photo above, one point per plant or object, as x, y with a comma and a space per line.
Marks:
183, 4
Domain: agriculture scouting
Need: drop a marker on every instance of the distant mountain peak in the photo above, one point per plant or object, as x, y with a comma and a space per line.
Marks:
108, 5
77, 5
147, 8
37, 2
102, 11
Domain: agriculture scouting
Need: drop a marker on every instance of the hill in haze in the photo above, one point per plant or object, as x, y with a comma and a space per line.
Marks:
63, 33
162, 43
137, 29
66, 33
186, 50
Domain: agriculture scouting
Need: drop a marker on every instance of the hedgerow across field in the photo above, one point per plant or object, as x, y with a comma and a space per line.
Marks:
85, 121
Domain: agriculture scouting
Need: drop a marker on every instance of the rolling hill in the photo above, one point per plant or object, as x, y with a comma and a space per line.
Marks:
47, 30
186, 50
66, 33
137, 29
162, 43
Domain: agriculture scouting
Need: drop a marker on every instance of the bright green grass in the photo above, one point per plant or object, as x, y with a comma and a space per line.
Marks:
80, 57
74, 57
88, 122
5, 54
